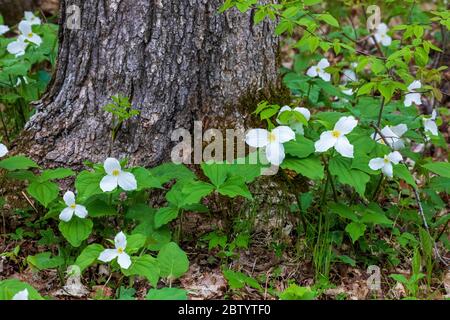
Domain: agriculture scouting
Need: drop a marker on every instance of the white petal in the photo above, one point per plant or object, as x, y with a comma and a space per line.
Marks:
434, 115
386, 41
35, 39
390, 136
395, 157
326, 142
400, 130
81, 211
28, 16
108, 255
69, 198
3, 29
109, 183
348, 92
127, 181
416, 84
120, 240
25, 28
312, 72
257, 138
3, 150
112, 164
305, 112
344, 147
325, 76
376, 164
66, 214
411, 98
388, 170
17, 48
21, 295
283, 134
124, 260
398, 144
323, 64
345, 125
298, 128
431, 126
382, 28
275, 153
349, 75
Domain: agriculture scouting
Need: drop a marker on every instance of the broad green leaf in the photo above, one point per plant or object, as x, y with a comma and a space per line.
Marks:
167, 294
355, 230
195, 191
439, 168
88, 184
44, 261
44, 192
76, 230
164, 215
98, 208
145, 179
344, 211
144, 266
59, 173
88, 256
341, 168
173, 261
170, 171
329, 19
216, 172
17, 163
403, 173
233, 187
135, 242
300, 148
10, 287
310, 167
294, 292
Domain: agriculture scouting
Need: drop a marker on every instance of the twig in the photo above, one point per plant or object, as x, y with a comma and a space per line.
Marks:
30, 202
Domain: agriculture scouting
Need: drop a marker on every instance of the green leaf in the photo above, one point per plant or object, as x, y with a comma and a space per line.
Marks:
233, 187
196, 190
173, 261
310, 167
140, 212
355, 230
402, 172
44, 261
44, 192
347, 260
166, 294
216, 172
165, 215
341, 167
329, 19
344, 211
294, 292
88, 256
300, 148
18, 163
171, 171
98, 208
145, 179
76, 230
10, 287
60, 173
439, 168
376, 218
144, 266
135, 242
88, 184
238, 280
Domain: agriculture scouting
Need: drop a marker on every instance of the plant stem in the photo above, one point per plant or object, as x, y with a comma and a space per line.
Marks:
377, 189
380, 115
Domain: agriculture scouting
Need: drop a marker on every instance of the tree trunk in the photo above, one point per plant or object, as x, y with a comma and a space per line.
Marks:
178, 60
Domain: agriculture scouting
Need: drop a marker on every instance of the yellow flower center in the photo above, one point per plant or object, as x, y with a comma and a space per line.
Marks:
336, 133
73, 206
30, 35
272, 137
386, 160
120, 250
116, 173
318, 70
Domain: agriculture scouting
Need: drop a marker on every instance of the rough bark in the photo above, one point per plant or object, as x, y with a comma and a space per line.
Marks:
178, 60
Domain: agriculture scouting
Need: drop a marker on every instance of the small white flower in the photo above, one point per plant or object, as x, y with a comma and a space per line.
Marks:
21, 295
27, 32
17, 47
348, 76
272, 141
381, 35
319, 70
116, 177
19, 81
295, 125
72, 208
337, 137
393, 136
3, 29
413, 96
31, 18
123, 259
3, 150
385, 164
430, 124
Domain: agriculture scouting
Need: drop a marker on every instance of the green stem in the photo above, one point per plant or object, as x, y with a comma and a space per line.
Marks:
377, 189
380, 115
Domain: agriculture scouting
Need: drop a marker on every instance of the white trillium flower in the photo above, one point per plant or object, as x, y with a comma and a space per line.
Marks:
72, 208
272, 141
430, 124
337, 137
348, 76
3, 150
319, 70
3, 29
413, 96
17, 47
27, 32
31, 18
295, 125
393, 136
21, 295
19, 81
116, 177
123, 259
381, 35
386, 163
